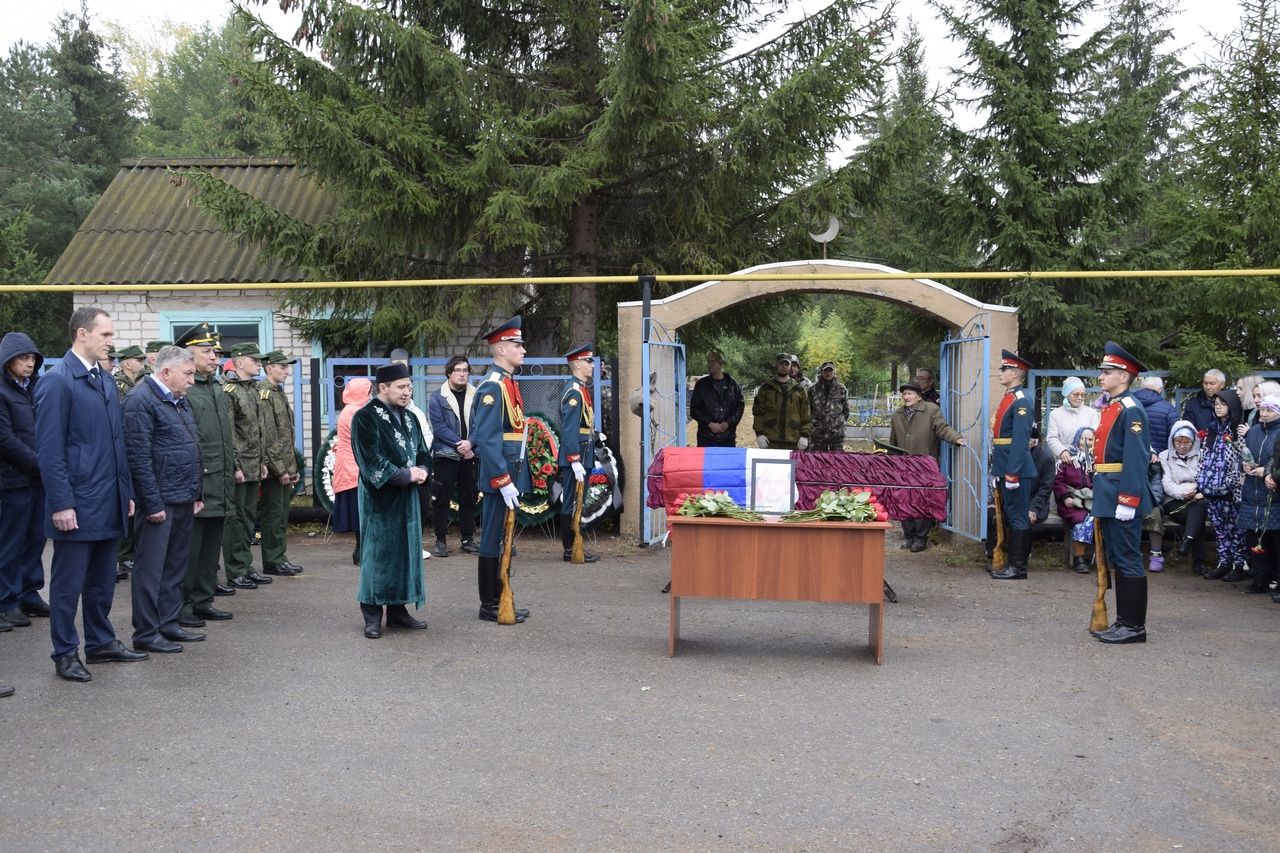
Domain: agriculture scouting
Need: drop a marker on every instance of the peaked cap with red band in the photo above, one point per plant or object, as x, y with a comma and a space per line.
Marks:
583, 351
1117, 357
508, 331
1012, 359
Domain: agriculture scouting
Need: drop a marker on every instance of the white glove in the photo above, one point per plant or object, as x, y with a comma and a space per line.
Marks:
579, 473
603, 438
1011, 485
1124, 513
762, 442
510, 495
802, 443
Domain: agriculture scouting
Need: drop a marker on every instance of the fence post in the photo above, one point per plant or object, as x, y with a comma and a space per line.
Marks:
317, 434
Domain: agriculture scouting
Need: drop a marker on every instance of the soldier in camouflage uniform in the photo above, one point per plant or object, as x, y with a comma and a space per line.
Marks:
780, 411
829, 404
246, 416
153, 347
281, 463
126, 376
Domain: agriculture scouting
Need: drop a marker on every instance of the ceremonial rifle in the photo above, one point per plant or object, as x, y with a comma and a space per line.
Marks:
506, 601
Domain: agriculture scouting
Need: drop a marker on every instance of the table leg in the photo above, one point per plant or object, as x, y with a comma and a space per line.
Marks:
675, 626
875, 632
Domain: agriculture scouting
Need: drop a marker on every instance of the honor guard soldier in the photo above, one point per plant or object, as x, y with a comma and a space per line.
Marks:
498, 435
246, 416
211, 408
281, 461
154, 347
129, 364
1010, 462
577, 446
1121, 494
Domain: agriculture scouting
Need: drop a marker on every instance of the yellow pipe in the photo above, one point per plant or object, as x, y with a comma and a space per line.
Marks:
631, 279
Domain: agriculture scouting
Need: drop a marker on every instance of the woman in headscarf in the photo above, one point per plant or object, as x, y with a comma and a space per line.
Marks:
1259, 513
1073, 488
1183, 501
1066, 421
1219, 480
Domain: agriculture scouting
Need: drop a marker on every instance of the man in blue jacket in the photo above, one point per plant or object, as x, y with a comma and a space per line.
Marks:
167, 469
453, 456
21, 492
88, 494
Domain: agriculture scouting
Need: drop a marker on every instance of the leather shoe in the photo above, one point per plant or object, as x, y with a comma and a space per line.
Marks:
36, 608
1010, 573
488, 614
190, 621
16, 618
259, 579
213, 614
6, 690
372, 631
587, 557
114, 652
918, 545
1217, 573
283, 570
1235, 575
243, 583
125, 565
5, 625
70, 668
289, 564
121, 575
181, 636
160, 646
440, 549
399, 616
1184, 547
221, 590
1121, 633
1080, 566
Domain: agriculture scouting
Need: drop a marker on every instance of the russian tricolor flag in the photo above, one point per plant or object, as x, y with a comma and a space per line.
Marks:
723, 469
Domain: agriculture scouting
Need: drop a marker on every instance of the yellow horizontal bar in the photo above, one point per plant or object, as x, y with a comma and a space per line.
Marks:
631, 279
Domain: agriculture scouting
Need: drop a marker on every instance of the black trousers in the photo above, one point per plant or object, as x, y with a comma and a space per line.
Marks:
164, 550
454, 476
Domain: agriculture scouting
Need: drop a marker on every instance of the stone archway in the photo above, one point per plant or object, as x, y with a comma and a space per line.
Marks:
948, 307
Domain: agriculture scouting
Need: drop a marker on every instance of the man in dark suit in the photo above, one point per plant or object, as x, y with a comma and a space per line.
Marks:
88, 494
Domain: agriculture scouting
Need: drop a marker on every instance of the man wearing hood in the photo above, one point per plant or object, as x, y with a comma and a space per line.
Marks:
1183, 501
21, 493
829, 404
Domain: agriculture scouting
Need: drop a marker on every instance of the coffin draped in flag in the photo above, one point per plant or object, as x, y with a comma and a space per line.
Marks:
908, 486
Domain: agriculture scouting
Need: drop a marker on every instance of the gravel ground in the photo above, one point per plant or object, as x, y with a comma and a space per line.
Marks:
995, 723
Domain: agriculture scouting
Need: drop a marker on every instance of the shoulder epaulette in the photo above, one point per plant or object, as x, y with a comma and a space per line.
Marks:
229, 387
1017, 395
1128, 402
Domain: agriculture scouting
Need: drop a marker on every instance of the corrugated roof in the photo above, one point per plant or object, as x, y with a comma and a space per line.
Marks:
147, 228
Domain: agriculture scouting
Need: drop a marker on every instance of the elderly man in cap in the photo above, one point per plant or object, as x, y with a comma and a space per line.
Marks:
211, 409
1010, 462
281, 462
392, 456
498, 434
780, 413
21, 492
246, 416
577, 446
829, 404
918, 427
1122, 494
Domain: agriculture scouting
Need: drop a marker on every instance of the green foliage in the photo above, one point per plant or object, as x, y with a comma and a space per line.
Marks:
43, 316
824, 336
1196, 352
750, 356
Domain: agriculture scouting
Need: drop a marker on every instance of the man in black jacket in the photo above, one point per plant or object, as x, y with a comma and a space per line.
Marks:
21, 492
1198, 408
717, 405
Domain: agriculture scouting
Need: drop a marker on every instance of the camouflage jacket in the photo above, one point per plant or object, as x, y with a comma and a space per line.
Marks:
123, 383
247, 415
829, 403
780, 413
277, 431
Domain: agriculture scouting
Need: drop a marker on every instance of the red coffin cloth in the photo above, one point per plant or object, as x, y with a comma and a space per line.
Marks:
908, 486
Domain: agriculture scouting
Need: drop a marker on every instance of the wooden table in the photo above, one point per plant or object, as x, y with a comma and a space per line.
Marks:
838, 561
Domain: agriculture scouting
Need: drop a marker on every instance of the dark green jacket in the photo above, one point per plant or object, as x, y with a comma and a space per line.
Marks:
123, 383
277, 431
781, 413
246, 417
212, 409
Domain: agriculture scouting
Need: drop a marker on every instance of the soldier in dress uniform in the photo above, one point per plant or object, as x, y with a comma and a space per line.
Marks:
130, 361
577, 443
1010, 462
246, 415
281, 462
153, 347
211, 408
1121, 494
497, 433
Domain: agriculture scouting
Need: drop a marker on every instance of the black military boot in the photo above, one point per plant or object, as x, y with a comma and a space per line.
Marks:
1017, 545
372, 620
398, 616
1219, 573
1131, 612
566, 537
491, 590
1236, 574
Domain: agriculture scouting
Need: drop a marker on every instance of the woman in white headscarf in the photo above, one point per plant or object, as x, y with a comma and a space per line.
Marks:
1066, 421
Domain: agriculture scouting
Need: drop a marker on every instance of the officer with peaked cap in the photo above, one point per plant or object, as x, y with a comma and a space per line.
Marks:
215, 428
577, 443
246, 417
1121, 496
1010, 462
497, 433
280, 458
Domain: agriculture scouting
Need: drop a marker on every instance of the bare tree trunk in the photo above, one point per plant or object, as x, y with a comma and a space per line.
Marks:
583, 303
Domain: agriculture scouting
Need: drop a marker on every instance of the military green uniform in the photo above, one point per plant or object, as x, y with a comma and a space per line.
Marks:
281, 460
127, 548
211, 407
242, 516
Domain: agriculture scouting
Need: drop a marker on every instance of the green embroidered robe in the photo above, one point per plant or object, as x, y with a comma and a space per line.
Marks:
390, 520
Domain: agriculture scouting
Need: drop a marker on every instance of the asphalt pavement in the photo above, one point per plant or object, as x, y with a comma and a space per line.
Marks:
995, 723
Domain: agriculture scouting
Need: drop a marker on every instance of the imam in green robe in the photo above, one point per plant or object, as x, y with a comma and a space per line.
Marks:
387, 442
